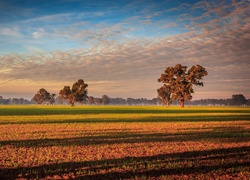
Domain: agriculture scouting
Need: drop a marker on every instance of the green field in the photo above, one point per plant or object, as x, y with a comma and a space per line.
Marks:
124, 142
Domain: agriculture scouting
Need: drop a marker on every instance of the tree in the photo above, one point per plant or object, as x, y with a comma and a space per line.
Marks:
178, 83
105, 100
117, 101
43, 96
78, 92
239, 99
15, 101
91, 100
98, 101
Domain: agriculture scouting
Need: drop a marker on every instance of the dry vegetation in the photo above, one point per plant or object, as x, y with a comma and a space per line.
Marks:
52, 142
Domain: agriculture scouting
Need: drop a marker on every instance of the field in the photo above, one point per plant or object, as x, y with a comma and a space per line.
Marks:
124, 142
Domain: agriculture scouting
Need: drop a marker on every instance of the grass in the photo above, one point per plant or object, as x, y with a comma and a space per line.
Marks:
124, 142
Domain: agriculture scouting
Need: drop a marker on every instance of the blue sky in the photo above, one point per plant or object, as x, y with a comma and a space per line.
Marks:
51, 25
120, 48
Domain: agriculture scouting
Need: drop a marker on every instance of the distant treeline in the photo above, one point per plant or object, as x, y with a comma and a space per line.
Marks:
236, 100
14, 101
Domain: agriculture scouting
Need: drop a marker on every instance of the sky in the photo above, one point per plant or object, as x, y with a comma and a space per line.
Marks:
121, 48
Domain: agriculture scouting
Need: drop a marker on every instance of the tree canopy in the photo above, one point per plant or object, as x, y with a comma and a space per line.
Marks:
178, 83
43, 96
78, 92
105, 100
238, 99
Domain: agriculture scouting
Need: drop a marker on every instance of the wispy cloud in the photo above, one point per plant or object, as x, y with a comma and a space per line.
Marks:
10, 31
51, 18
39, 33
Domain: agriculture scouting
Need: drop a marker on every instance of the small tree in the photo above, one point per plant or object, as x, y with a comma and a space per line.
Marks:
91, 100
105, 100
78, 92
178, 83
239, 99
98, 101
43, 96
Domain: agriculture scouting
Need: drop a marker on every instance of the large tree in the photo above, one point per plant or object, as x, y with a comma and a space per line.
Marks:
43, 96
178, 83
78, 92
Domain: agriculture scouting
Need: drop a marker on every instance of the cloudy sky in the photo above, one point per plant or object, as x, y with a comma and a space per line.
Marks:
120, 48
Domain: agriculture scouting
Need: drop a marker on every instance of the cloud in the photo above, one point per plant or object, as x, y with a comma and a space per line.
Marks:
51, 18
137, 64
8, 31
39, 33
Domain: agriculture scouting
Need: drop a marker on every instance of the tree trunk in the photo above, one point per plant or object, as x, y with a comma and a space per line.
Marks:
182, 104
72, 103
167, 104
182, 101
